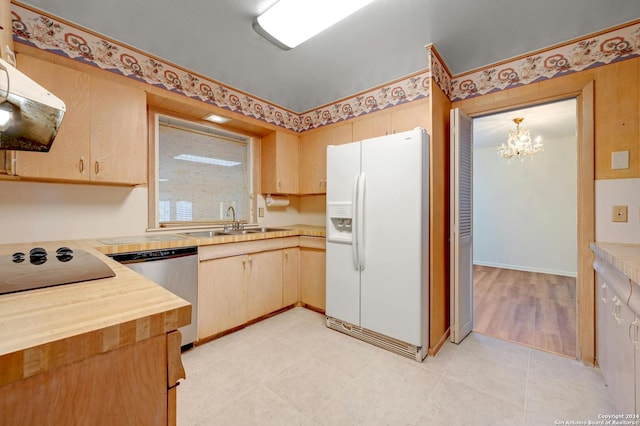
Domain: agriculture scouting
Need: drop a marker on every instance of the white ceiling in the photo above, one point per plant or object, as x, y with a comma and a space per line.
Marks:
380, 43
549, 121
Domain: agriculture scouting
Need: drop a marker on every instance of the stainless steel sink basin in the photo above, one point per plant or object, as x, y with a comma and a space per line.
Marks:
204, 234
211, 234
253, 230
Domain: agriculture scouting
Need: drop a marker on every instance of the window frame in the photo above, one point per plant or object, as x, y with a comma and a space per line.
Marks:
153, 124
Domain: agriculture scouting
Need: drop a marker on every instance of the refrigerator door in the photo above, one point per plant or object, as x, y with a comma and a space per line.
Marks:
342, 275
394, 281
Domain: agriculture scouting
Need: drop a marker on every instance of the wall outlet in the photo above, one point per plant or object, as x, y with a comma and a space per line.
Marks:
619, 214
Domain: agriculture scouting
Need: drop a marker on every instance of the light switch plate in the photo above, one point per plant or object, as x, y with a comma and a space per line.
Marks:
620, 160
260, 211
619, 214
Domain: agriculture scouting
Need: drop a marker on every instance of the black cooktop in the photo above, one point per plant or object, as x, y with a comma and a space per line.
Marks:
39, 268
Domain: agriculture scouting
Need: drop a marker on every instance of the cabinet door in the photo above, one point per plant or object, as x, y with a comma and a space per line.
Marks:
616, 352
378, 124
118, 133
290, 276
265, 283
279, 161
70, 154
6, 36
313, 156
312, 277
222, 295
635, 333
410, 117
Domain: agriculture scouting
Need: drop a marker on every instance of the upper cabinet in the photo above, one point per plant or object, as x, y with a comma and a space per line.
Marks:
279, 163
313, 156
103, 136
394, 120
6, 31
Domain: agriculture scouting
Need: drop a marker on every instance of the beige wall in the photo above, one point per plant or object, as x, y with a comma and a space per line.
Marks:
616, 106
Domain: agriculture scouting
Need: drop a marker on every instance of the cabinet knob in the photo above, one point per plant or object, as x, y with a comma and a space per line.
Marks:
96, 167
286, 257
244, 263
81, 165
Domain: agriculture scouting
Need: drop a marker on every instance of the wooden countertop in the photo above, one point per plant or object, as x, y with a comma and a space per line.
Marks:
624, 257
175, 239
51, 327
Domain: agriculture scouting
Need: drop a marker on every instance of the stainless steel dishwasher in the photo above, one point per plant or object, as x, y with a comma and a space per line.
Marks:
173, 269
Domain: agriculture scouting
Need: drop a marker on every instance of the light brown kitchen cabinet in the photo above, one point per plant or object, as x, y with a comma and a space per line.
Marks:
313, 272
103, 136
393, 120
313, 156
264, 293
242, 281
118, 133
290, 276
279, 163
222, 295
136, 382
6, 31
70, 154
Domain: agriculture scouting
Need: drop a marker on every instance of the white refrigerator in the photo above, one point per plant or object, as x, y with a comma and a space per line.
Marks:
378, 241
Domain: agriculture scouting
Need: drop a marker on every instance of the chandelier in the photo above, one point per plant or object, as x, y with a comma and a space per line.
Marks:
519, 144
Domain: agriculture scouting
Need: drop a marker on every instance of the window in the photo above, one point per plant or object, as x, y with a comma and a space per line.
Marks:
200, 171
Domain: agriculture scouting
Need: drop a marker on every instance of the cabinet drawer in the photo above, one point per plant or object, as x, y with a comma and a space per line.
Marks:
313, 242
217, 251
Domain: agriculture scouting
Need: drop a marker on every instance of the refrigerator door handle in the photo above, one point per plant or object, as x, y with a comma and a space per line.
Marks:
354, 227
362, 187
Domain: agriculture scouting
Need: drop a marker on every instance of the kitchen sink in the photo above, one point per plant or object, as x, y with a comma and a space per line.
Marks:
211, 234
253, 230
204, 234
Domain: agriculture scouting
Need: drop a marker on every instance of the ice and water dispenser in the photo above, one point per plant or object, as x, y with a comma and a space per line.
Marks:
339, 226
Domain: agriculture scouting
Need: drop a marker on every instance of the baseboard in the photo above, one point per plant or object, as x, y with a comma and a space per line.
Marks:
526, 269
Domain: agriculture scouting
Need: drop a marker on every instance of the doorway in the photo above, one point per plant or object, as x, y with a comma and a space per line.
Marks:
525, 231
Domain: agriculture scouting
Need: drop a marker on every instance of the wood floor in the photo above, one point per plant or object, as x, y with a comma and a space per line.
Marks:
535, 309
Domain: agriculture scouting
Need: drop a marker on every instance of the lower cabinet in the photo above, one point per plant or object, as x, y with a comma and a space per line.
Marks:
291, 276
617, 348
222, 295
134, 384
239, 282
313, 272
265, 283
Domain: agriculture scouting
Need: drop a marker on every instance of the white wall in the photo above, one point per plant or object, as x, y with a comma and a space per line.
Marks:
618, 192
525, 213
307, 210
49, 211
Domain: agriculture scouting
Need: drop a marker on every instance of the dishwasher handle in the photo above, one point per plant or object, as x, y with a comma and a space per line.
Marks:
153, 255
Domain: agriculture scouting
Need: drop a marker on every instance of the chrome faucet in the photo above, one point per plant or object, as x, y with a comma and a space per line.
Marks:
235, 225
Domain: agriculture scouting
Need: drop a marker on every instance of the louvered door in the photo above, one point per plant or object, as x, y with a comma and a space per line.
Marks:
461, 238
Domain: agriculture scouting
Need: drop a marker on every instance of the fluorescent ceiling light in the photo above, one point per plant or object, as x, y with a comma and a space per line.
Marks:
290, 22
216, 118
206, 160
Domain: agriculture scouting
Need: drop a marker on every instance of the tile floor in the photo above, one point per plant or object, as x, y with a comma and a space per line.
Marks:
292, 370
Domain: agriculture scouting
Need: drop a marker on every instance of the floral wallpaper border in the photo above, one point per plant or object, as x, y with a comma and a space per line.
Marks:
399, 92
35, 28
592, 51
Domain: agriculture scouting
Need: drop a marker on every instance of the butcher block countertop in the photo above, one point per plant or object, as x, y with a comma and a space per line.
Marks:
624, 257
51, 327
177, 239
